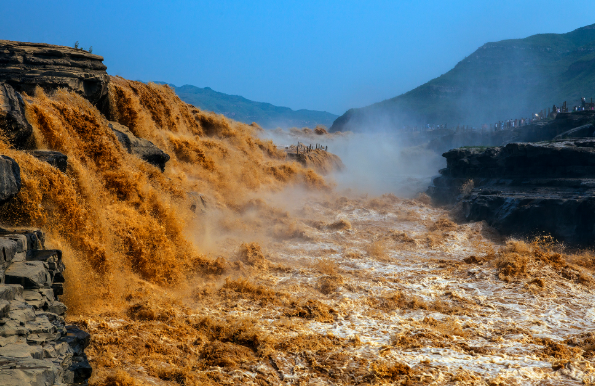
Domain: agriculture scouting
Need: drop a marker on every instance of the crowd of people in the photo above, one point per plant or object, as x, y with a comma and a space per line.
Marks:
549, 113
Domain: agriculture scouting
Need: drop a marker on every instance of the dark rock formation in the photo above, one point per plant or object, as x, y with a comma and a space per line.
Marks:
36, 345
525, 188
54, 158
10, 178
13, 123
27, 65
565, 125
140, 147
549, 129
579, 132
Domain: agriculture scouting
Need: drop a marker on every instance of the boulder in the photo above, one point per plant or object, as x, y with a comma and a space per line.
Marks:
10, 178
13, 123
54, 158
525, 189
140, 147
27, 65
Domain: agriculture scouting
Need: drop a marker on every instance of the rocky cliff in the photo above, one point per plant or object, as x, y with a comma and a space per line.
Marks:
525, 189
26, 66
37, 347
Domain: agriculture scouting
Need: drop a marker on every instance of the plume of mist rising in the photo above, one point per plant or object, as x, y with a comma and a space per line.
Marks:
377, 161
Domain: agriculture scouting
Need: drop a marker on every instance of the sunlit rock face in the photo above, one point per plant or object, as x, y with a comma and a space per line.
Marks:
27, 65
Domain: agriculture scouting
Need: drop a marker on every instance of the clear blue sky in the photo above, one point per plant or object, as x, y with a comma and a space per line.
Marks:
322, 55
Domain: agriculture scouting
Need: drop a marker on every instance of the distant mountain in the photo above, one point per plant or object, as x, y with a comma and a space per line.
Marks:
503, 80
241, 109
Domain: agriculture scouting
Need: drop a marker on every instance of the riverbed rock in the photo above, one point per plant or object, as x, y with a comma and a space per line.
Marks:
27, 65
140, 147
10, 178
525, 189
13, 123
36, 345
54, 158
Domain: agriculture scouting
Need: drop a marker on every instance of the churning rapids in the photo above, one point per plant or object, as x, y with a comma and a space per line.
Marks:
239, 266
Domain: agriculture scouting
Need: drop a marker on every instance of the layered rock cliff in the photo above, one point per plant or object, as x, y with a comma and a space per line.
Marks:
37, 347
525, 189
26, 66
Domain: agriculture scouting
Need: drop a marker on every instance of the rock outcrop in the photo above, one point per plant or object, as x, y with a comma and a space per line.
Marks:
13, 123
25, 66
565, 125
583, 131
36, 345
54, 158
549, 129
525, 188
140, 147
10, 178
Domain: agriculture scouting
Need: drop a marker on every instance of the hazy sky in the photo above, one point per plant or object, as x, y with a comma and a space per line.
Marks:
323, 55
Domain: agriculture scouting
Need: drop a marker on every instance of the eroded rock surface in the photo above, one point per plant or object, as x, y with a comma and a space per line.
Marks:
525, 188
13, 123
25, 66
10, 178
140, 147
36, 345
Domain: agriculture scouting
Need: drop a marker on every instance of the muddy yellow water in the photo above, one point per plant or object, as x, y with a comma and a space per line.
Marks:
240, 266
365, 291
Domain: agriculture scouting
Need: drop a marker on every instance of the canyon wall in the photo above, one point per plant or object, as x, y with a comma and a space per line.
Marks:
525, 189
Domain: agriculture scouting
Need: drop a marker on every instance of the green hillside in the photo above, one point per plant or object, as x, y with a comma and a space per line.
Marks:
241, 109
503, 80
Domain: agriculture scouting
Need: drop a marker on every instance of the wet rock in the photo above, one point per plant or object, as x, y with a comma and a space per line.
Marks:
197, 200
54, 158
10, 178
27, 65
140, 147
13, 123
525, 189
77, 339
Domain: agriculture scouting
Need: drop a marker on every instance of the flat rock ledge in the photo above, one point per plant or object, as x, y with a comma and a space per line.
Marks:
525, 189
36, 345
